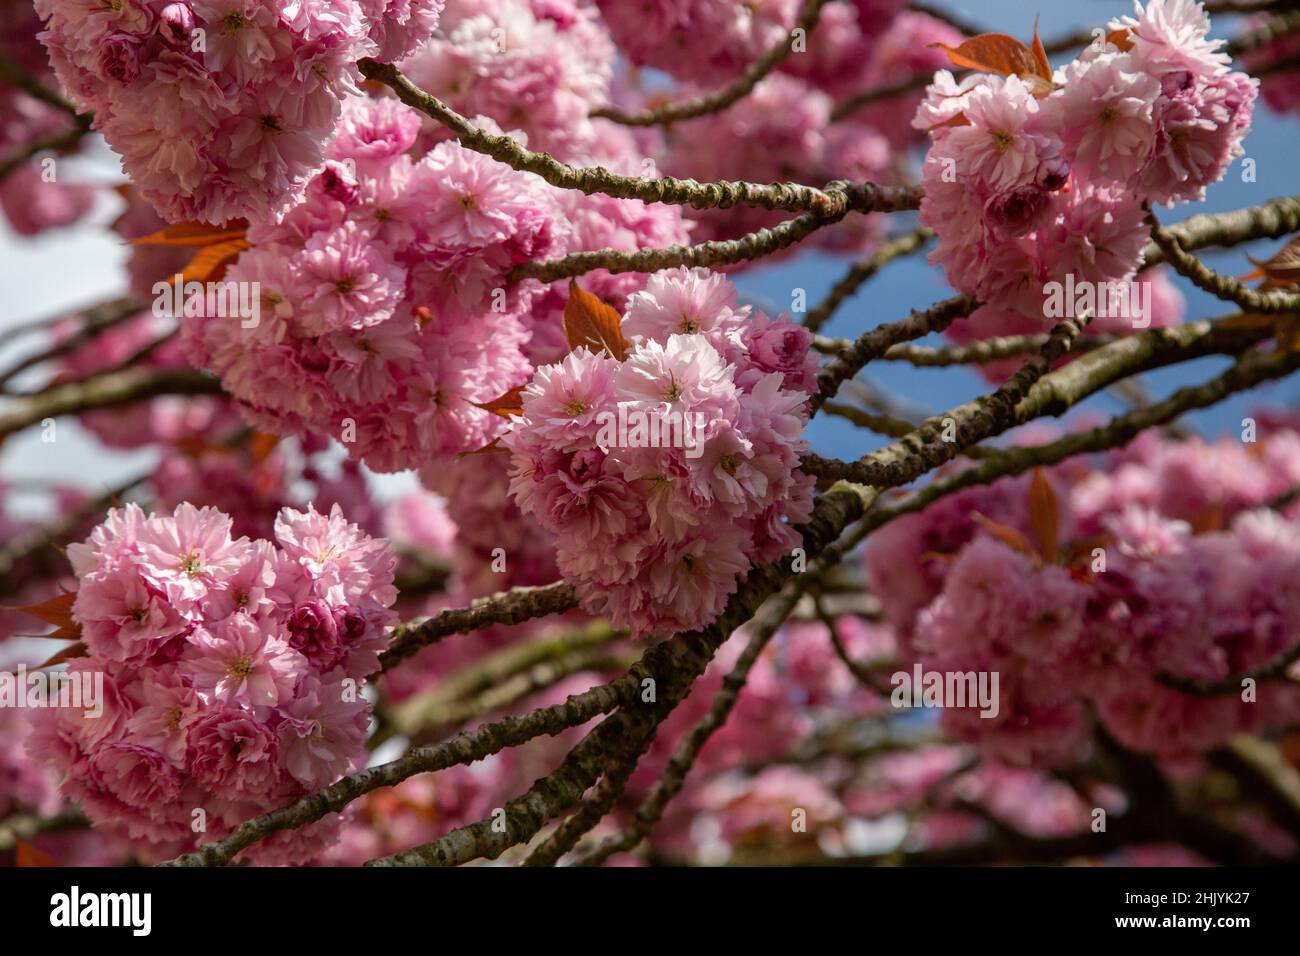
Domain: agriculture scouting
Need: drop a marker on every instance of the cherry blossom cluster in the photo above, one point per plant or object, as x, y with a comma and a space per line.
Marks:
667, 475
387, 318
385, 314
1173, 573
901, 46
491, 57
231, 672
220, 109
1028, 182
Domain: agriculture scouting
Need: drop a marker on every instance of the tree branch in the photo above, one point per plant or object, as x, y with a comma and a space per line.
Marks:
105, 391
859, 273
595, 179
505, 607
1223, 287
718, 252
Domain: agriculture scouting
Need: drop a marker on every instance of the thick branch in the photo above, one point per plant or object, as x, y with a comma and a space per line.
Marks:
466, 748
976, 353
679, 764
104, 391
1055, 393
719, 252
1270, 220
1223, 287
673, 665
685, 192
1118, 432
941, 438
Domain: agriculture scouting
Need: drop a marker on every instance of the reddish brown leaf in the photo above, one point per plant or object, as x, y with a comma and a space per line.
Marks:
1209, 519
27, 855
508, 405
1120, 39
1286, 328
210, 263
1282, 270
1044, 68
1004, 55
260, 446
494, 447
1044, 514
195, 446
591, 322
1012, 538
71, 652
194, 234
57, 611
1291, 748
957, 119
1080, 551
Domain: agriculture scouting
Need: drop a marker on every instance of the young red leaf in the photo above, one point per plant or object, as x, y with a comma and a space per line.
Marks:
194, 234
591, 322
1249, 320
1287, 333
1040, 55
1282, 270
1209, 519
210, 263
1078, 554
494, 447
957, 119
1120, 39
509, 405
1012, 538
1004, 55
27, 855
57, 611
194, 446
938, 556
1044, 514
260, 446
